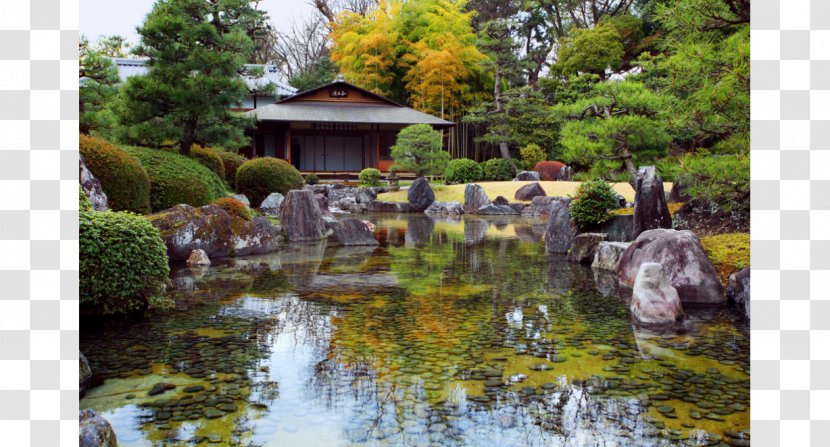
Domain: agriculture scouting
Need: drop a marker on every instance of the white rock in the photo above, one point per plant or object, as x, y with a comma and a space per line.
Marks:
654, 300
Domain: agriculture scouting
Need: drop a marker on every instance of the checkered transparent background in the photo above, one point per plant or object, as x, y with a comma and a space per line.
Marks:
790, 222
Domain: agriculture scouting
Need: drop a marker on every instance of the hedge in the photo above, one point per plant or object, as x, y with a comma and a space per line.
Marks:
498, 169
548, 170
123, 179
232, 162
260, 177
208, 158
591, 203
369, 177
176, 179
123, 261
463, 170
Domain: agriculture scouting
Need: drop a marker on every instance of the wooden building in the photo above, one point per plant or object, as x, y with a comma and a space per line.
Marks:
336, 128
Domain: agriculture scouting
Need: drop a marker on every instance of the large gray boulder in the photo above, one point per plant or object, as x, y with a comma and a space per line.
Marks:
453, 208
198, 258
650, 209
737, 290
301, 217
91, 187
84, 373
687, 267
529, 191
378, 206
210, 228
496, 210
560, 232
338, 192
272, 204
540, 206
475, 197
566, 174
585, 247
420, 195
620, 228
323, 204
95, 431
608, 255
527, 176
654, 300
351, 231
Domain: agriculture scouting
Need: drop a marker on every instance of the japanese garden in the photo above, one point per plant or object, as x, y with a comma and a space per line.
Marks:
417, 223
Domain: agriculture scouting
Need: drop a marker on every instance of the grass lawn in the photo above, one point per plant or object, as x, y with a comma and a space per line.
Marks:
508, 189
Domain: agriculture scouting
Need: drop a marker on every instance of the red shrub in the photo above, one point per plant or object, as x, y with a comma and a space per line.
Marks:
548, 170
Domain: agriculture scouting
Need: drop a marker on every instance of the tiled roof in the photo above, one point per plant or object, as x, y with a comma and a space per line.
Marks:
345, 113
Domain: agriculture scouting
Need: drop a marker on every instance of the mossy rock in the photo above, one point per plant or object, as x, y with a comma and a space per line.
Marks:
728, 252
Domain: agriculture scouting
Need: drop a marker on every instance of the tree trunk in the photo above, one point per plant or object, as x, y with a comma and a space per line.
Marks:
188, 136
629, 165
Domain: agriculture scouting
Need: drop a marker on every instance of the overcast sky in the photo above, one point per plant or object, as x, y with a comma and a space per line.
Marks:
108, 17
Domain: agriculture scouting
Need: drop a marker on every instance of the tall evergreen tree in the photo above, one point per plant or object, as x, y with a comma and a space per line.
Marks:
196, 50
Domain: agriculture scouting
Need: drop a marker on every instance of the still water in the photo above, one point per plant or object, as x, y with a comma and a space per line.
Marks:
450, 333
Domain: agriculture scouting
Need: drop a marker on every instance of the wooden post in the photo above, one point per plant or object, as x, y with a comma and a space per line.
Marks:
288, 144
377, 147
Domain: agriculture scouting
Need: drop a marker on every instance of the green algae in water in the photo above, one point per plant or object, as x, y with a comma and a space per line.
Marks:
450, 333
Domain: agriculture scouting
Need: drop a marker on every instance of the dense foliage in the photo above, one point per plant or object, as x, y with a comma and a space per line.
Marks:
232, 162
83, 201
176, 179
591, 203
369, 177
98, 84
531, 155
234, 207
311, 179
208, 158
123, 261
498, 169
722, 180
418, 150
463, 170
124, 181
262, 176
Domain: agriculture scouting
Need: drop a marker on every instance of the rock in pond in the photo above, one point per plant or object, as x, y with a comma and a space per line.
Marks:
540, 206
379, 206
323, 204
527, 176
560, 232
737, 290
608, 255
92, 187
272, 204
420, 195
496, 210
352, 231
445, 208
585, 247
529, 191
654, 300
84, 373
198, 257
210, 228
650, 209
686, 266
301, 217
95, 431
620, 228
475, 197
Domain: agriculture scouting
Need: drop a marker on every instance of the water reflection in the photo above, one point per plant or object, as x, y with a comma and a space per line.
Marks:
449, 333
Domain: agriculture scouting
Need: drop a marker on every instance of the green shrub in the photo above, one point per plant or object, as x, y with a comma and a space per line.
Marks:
234, 207
208, 158
463, 170
498, 169
232, 162
532, 154
418, 150
719, 179
176, 179
123, 261
311, 179
591, 204
260, 177
369, 177
83, 201
123, 180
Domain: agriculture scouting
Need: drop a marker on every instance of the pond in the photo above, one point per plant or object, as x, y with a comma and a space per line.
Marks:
450, 333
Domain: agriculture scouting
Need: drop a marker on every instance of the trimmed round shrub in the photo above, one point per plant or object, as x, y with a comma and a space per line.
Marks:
369, 177
498, 169
176, 179
208, 158
123, 180
311, 179
123, 261
260, 177
83, 201
232, 162
532, 154
592, 202
548, 170
234, 207
463, 170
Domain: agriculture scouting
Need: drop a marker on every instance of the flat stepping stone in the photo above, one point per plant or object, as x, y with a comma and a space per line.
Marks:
213, 413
